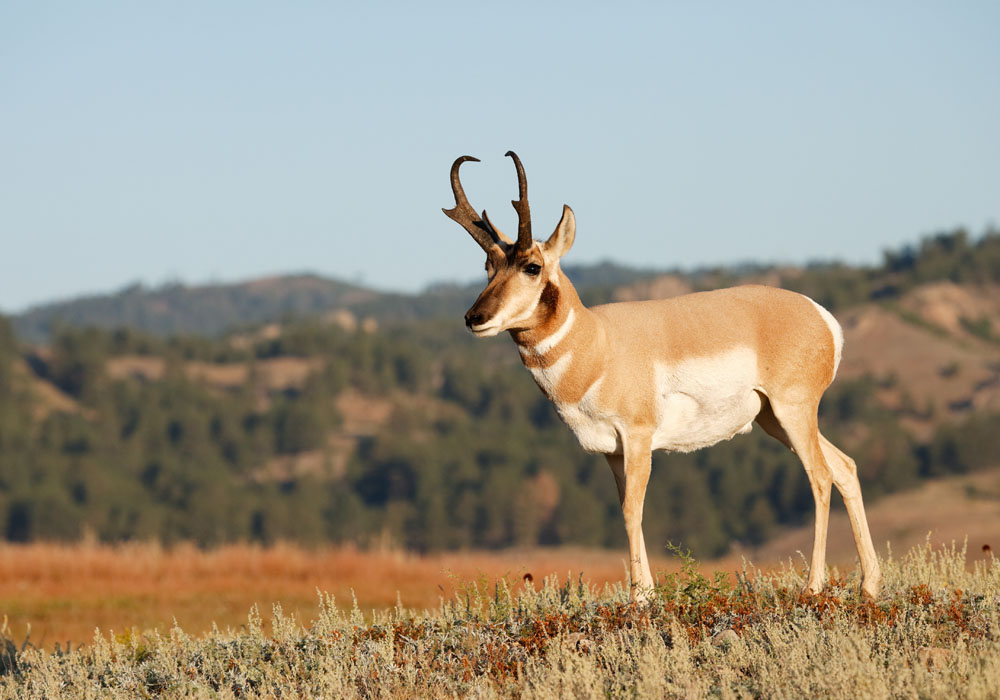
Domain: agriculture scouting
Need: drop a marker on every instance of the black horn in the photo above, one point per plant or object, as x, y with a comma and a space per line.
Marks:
464, 214
521, 205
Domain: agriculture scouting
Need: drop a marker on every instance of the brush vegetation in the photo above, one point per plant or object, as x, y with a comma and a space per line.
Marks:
935, 632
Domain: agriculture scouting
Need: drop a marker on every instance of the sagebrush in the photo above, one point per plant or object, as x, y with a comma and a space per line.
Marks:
932, 634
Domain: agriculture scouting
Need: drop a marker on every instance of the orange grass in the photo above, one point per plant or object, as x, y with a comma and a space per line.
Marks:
66, 591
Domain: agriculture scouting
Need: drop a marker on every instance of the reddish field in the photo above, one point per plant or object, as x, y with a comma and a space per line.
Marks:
66, 591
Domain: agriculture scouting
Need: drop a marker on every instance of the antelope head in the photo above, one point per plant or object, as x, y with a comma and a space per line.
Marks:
523, 275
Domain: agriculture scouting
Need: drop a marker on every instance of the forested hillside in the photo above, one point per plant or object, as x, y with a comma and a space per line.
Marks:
322, 427
206, 310
218, 308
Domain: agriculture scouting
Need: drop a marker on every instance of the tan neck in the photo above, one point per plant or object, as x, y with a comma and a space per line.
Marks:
559, 305
566, 352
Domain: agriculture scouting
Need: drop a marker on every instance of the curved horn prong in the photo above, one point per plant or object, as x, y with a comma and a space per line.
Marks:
500, 235
464, 214
456, 182
521, 205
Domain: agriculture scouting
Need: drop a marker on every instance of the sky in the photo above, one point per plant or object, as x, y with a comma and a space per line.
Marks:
203, 142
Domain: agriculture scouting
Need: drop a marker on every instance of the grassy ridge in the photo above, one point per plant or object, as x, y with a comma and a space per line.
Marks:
934, 633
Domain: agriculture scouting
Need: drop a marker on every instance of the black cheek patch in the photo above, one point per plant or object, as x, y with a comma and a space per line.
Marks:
549, 299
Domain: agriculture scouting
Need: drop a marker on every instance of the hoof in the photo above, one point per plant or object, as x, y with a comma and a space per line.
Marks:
871, 585
812, 589
871, 592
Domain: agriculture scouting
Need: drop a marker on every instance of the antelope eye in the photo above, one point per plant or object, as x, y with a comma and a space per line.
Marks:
532, 269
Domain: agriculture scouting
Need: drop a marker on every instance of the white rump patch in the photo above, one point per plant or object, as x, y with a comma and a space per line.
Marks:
836, 331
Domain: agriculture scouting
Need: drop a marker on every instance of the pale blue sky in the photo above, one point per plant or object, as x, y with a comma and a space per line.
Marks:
202, 141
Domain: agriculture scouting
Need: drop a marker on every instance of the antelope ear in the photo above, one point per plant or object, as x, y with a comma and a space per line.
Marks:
562, 238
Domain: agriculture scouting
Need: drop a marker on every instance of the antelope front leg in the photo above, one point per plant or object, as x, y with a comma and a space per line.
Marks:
617, 464
638, 461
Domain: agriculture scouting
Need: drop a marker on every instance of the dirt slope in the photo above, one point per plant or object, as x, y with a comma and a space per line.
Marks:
950, 509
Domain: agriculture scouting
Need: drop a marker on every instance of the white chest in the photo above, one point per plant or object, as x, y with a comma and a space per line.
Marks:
595, 428
547, 378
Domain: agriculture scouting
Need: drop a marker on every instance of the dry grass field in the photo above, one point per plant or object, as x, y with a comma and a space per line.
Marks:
66, 591
933, 633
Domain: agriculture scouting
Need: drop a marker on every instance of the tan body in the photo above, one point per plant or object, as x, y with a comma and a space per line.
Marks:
703, 363
676, 374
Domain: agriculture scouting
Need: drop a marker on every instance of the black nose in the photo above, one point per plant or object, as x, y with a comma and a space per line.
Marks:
473, 319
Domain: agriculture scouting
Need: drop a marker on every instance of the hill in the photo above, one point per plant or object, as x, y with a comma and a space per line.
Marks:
945, 511
327, 427
214, 309
202, 310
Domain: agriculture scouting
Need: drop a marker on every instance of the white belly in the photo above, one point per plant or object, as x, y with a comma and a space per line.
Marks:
697, 403
705, 400
689, 425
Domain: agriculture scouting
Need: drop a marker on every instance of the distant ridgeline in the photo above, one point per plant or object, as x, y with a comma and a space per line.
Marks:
143, 417
219, 308
215, 309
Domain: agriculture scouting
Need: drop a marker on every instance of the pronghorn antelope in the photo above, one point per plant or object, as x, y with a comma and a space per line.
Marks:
675, 374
